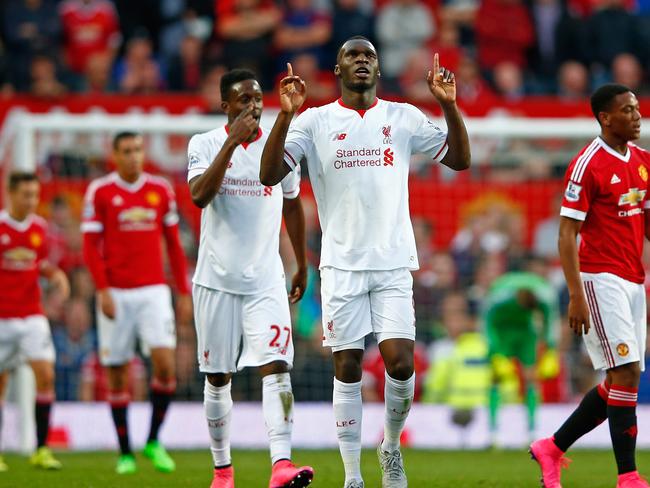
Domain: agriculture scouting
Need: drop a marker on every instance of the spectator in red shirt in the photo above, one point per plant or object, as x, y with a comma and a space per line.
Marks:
504, 32
89, 27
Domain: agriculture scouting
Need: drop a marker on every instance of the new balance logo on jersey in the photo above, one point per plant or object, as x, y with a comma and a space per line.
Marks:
388, 157
339, 136
615, 179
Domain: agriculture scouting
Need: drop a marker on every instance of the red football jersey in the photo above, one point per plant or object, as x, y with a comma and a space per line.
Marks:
131, 219
88, 29
23, 249
608, 191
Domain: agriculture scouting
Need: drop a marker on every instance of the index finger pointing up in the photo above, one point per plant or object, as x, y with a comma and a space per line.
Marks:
289, 70
436, 64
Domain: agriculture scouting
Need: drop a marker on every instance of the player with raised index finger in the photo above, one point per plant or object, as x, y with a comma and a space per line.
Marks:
358, 150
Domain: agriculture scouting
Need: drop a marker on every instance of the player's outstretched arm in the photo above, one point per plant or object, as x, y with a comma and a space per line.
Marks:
292, 95
567, 245
442, 84
294, 218
204, 187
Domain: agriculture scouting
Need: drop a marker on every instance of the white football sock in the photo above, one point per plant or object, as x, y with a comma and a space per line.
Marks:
347, 413
277, 404
399, 398
218, 408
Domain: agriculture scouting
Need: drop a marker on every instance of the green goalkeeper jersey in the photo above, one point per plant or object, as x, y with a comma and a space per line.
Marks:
503, 313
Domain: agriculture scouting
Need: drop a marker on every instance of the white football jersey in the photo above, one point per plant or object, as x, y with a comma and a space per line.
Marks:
240, 228
358, 162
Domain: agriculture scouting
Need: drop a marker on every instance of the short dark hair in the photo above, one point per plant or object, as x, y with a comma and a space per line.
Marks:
353, 38
18, 177
232, 77
601, 100
127, 134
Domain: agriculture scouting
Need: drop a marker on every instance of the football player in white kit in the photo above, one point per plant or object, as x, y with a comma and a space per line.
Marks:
357, 150
241, 308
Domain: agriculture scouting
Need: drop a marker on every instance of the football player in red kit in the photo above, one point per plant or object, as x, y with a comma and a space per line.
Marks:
24, 329
126, 215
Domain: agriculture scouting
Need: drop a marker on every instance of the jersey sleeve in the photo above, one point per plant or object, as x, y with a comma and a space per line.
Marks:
170, 208
299, 141
579, 191
427, 138
198, 159
93, 214
291, 184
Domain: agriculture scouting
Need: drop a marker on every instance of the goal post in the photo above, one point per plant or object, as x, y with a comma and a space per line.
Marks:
22, 129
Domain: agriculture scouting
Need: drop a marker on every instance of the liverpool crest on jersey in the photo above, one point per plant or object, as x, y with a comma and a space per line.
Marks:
385, 130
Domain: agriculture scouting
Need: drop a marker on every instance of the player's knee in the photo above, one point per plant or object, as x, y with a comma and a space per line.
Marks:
400, 369
627, 375
45, 380
347, 369
218, 379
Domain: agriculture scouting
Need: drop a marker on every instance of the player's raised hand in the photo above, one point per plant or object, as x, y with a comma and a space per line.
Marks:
442, 82
106, 303
579, 315
293, 92
298, 285
243, 126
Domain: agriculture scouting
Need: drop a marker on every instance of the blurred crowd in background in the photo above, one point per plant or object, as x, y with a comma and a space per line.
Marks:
497, 48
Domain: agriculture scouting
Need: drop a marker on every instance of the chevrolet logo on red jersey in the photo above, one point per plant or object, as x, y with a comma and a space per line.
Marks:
137, 214
632, 197
22, 254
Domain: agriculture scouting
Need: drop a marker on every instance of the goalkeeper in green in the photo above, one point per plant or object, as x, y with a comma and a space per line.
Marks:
518, 304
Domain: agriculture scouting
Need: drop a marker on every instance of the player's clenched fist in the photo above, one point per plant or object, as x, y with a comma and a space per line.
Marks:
292, 91
243, 126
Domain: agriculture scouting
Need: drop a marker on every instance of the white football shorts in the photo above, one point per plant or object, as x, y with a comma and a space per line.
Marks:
25, 339
145, 313
238, 331
356, 303
617, 310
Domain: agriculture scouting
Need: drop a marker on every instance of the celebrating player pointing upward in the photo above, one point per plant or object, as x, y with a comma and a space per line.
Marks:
358, 150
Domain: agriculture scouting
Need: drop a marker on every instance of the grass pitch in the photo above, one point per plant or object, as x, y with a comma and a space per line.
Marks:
502, 469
